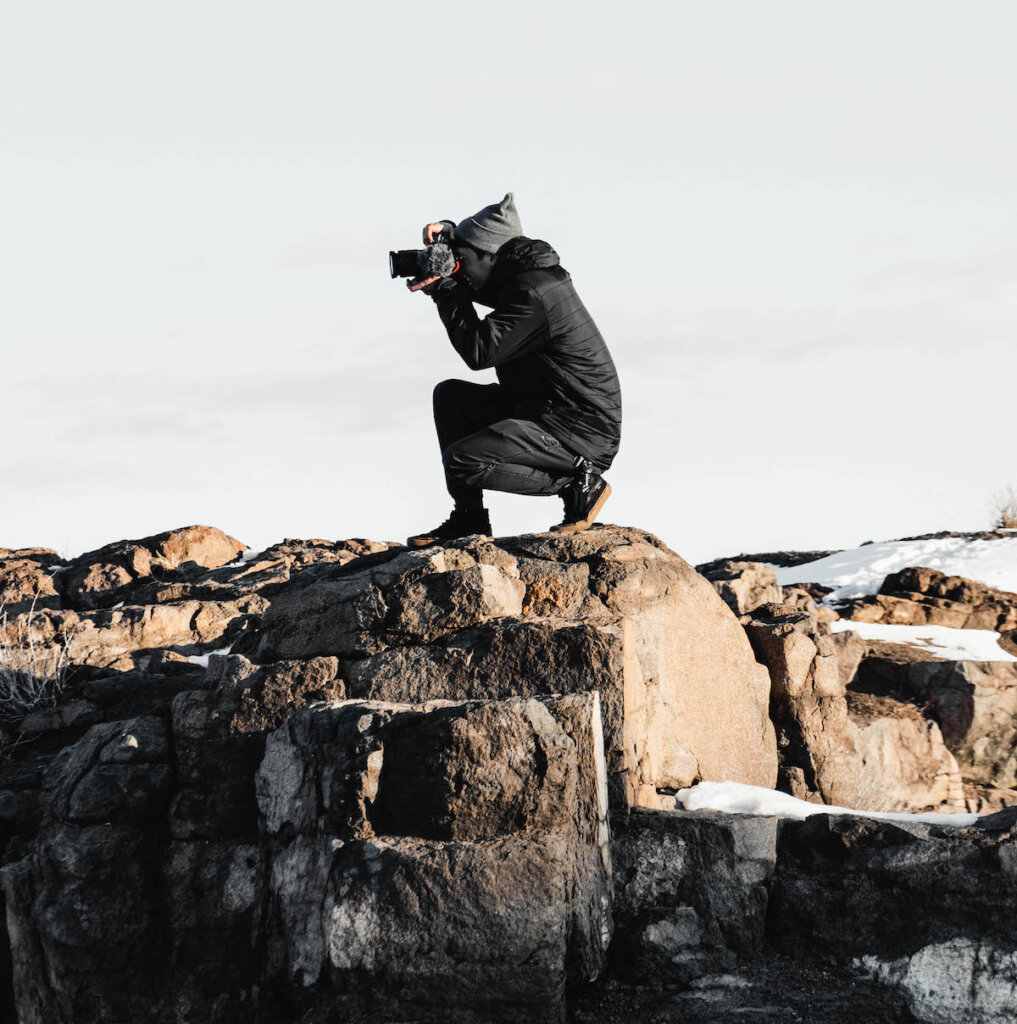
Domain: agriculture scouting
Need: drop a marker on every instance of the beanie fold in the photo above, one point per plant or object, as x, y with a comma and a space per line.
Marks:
490, 228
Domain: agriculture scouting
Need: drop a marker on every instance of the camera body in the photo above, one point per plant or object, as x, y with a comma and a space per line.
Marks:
406, 262
426, 265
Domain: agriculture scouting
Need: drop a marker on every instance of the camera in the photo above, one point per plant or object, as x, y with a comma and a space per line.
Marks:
426, 265
406, 262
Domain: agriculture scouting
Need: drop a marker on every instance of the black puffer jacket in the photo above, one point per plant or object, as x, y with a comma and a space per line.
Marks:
544, 347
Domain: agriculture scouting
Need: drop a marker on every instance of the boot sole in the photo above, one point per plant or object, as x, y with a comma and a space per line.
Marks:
417, 542
591, 516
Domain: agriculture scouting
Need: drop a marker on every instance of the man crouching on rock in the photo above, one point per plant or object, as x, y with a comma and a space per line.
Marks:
552, 423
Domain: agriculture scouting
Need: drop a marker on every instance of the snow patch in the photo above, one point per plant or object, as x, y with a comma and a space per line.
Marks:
943, 641
740, 798
202, 659
858, 572
247, 555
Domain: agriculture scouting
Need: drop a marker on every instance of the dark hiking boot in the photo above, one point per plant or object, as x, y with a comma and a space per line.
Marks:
583, 499
460, 524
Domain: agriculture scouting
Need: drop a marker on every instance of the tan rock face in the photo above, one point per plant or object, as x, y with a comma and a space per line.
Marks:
840, 747
612, 610
26, 583
882, 726
743, 586
975, 703
108, 638
904, 762
98, 578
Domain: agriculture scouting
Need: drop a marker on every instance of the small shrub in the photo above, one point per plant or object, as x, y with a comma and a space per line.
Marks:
1004, 508
32, 675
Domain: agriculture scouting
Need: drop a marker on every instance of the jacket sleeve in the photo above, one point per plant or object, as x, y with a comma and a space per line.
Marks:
517, 326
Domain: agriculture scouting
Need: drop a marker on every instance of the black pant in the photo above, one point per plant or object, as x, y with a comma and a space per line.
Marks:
484, 447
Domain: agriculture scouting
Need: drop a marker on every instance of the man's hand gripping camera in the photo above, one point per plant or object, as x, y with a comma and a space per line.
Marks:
427, 269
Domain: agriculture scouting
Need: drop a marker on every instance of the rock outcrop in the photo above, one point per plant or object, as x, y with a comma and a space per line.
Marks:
611, 610
876, 725
395, 858
690, 893
107, 575
975, 705
343, 780
744, 586
390, 795
837, 745
27, 580
923, 908
918, 596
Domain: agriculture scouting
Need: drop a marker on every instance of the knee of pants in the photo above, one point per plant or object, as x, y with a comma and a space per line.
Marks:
462, 467
443, 392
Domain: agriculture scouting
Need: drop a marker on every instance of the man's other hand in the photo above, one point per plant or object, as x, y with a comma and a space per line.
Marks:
439, 285
431, 286
438, 231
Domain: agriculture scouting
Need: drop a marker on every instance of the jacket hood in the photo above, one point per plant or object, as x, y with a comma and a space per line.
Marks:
522, 253
516, 256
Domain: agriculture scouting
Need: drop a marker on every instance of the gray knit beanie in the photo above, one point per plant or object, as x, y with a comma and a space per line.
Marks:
492, 227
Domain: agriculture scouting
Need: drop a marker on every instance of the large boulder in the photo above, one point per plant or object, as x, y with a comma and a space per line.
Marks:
611, 609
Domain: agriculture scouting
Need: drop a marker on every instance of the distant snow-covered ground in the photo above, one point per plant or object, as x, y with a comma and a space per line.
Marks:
739, 798
952, 644
860, 571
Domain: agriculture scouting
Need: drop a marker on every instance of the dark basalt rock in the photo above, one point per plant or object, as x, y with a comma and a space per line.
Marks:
690, 893
930, 909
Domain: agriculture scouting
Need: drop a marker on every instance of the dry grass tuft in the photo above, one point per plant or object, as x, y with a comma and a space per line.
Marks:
32, 674
1004, 508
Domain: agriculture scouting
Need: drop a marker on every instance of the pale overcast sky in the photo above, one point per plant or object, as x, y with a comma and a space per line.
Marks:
793, 220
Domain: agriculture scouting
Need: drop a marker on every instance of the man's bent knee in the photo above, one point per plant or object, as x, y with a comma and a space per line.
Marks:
462, 467
444, 393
